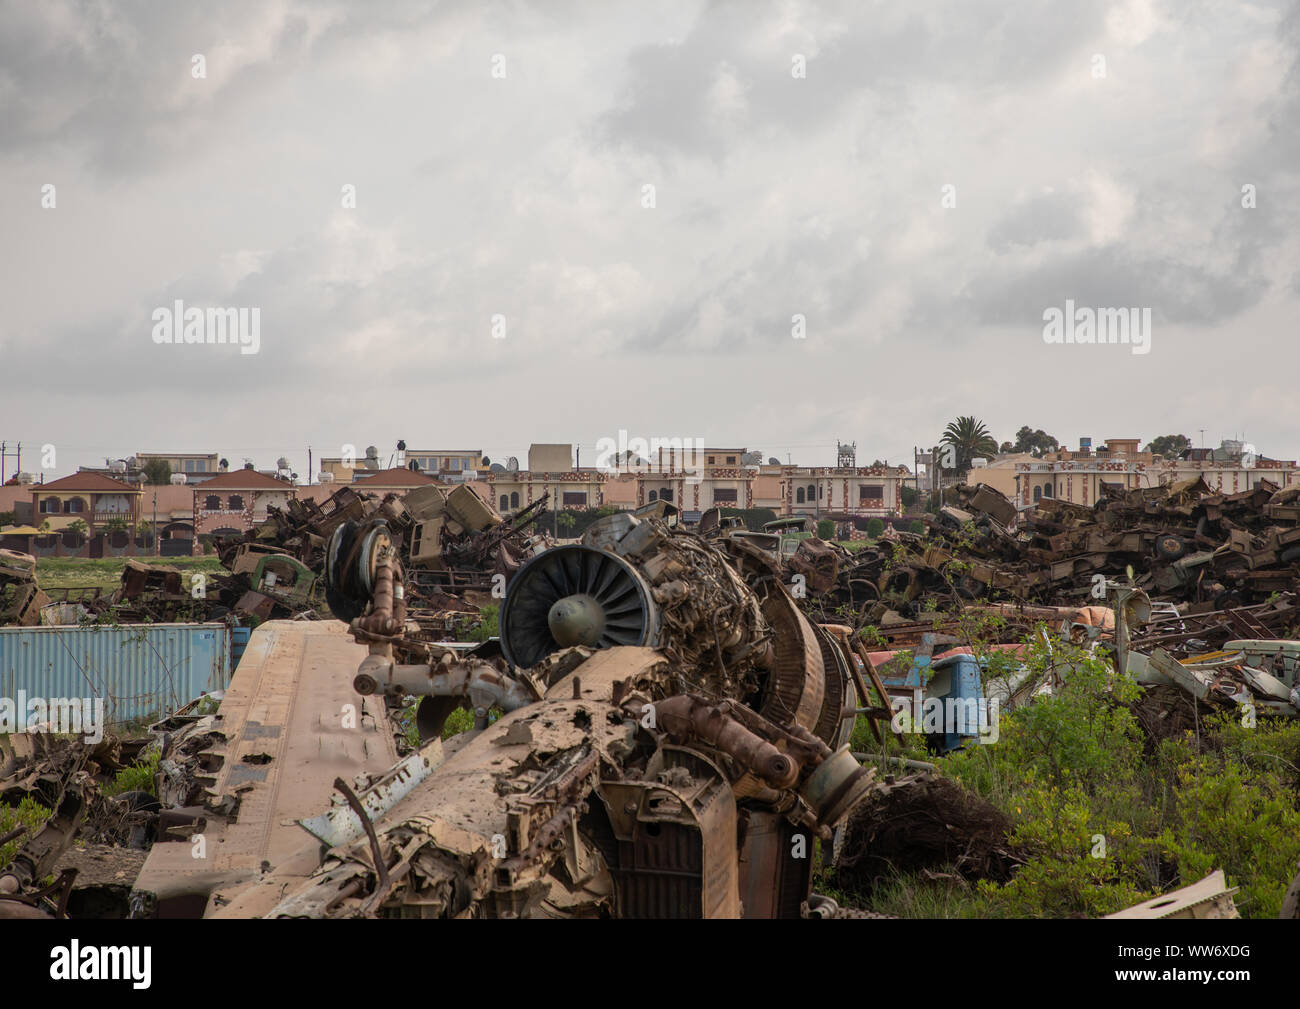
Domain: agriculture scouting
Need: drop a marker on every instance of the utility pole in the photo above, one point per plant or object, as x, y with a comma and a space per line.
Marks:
3, 455
309, 469
153, 531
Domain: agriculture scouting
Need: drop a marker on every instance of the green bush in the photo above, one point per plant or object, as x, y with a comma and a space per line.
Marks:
139, 777
28, 813
875, 527
826, 529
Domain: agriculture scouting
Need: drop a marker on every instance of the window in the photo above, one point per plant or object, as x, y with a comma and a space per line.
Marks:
654, 495
724, 495
212, 503
666, 494
236, 503
505, 503
1038, 493
731, 460
514, 499
812, 492
710, 460
871, 492
798, 495
1047, 490
74, 504
575, 499
49, 506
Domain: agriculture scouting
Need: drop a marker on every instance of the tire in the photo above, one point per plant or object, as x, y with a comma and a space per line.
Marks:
1170, 547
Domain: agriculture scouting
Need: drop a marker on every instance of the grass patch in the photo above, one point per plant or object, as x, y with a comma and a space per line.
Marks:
75, 572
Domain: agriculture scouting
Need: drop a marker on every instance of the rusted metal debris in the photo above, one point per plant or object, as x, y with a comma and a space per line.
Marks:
672, 743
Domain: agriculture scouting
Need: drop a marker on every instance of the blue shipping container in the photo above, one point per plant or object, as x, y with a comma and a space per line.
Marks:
141, 671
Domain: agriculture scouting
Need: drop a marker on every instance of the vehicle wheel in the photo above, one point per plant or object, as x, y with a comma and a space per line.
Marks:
1170, 547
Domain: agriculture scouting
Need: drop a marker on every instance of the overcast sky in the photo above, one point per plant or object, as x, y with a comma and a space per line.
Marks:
500, 154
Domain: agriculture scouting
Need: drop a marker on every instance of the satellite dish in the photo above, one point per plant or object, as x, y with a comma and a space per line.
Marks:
512, 464
751, 458
496, 467
487, 461
401, 445
773, 461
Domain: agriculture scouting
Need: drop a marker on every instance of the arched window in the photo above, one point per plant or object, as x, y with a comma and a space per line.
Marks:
514, 499
1047, 490
666, 494
798, 495
74, 504
236, 502
212, 503
1038, 494
49, 506
505, 503
812, 492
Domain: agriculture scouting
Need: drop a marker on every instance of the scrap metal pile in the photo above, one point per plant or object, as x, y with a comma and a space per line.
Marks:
453, 543
68, 778
672, 743
1228, 565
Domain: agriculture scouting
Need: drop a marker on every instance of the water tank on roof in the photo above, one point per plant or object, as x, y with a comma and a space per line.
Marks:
178, 478
326, 476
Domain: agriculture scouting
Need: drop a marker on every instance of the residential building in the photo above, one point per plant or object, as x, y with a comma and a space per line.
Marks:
1081, 476
236, 501
96, 500
870, 491
396, 480
446, 461
189, 463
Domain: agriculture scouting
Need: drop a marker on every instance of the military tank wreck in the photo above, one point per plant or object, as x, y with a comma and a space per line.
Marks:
671, 741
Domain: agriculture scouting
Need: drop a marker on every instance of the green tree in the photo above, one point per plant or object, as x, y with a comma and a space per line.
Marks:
825, 529
117, 524
969, 439
79, 528
1038, 443
158, 471
1169, 444
875, 527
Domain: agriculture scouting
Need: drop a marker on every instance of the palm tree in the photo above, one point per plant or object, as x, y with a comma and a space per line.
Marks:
969, 439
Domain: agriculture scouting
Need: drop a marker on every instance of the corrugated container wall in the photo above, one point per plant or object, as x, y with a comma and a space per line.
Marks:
141, 671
